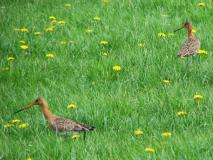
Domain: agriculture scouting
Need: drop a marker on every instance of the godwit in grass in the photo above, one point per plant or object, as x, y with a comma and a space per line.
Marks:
191, 45
59, 125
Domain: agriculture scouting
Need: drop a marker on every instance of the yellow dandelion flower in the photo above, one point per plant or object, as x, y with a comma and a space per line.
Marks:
202, 52
170, 35
23, 125
116, 68
52, 17
50, 55
37, 33
166, 134
71, 106
104, 42
63, 42
161, 34
54, 21
61, 22
22, 41
149, 150
104, 53
181, 113
105, 1
24, 47
198, 97
8, 125
166, 82
194, 30
76, 136
49, 29
14, 121
141, 45
138, 132
89, 30
67, 5
24, 30
96, 18
29, 158
11, 58
201, 4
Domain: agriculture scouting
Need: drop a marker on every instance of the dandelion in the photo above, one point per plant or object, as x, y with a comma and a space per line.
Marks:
202, 52
194, 30
71, 106
22, 41
96, 18
11, 58
23, 125
181, 113
166, 82
37, 33
170, 35
24, 47
141, 45
105, 1
61, 22
23, 30
52, 17
29, 158
76, 136
50, 55
63, 42
53, 21
49, 29
15, 121
138, 132
104, 42
161, 34
89, 30
166, 134
149, 150
201, 4
104, 53
116, 68
198, 97
8, 125
67, 5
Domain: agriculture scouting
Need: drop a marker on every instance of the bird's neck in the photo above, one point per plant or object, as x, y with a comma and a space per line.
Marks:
49, 116
190, 33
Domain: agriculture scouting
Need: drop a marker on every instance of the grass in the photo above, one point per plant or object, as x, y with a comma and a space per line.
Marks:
115, 103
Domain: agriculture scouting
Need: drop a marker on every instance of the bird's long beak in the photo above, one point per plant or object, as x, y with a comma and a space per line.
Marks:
27, 107
179, 29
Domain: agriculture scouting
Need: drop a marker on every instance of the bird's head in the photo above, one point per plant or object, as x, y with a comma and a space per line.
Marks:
186, 25
40, 101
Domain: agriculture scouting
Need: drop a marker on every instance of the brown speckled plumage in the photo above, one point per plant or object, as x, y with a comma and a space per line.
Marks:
59, 125
191, 45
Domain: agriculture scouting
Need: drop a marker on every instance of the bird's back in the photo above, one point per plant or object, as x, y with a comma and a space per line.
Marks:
190, 47
66, 125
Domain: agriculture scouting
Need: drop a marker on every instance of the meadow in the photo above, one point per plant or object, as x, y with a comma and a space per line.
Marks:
115, 61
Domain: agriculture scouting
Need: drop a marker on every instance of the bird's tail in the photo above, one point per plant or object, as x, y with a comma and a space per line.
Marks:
91, 128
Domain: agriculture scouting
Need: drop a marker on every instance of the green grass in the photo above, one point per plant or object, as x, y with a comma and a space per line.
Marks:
115, 103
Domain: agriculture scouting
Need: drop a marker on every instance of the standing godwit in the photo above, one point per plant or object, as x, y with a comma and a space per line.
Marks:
191, 45
59, 125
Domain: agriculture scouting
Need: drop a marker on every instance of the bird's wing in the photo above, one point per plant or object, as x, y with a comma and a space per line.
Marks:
63, 125
189, 47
